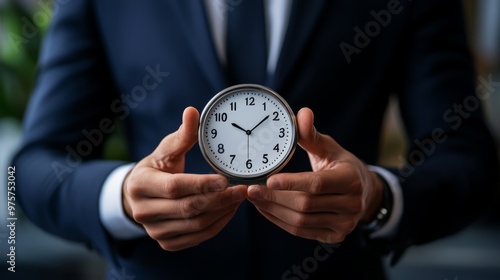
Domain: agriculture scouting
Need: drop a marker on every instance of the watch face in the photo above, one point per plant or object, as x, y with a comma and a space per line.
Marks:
247, 132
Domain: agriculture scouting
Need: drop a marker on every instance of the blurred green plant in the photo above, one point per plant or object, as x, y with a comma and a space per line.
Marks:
20, 39
21, 34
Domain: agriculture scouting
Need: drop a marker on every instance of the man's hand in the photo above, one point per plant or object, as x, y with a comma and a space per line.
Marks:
325, 204
179, 210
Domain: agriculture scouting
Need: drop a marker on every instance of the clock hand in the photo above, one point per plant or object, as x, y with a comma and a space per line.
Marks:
248, 145
239, 127
248, 137
259, 123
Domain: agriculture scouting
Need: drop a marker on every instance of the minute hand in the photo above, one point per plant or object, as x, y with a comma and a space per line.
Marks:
259, 123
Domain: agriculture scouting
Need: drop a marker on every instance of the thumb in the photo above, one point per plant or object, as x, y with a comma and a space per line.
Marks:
178, 143
315, 143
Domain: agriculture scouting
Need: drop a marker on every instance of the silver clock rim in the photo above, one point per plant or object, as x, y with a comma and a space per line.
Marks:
244, 179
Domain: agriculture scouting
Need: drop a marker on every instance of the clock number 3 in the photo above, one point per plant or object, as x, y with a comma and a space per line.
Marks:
281, 135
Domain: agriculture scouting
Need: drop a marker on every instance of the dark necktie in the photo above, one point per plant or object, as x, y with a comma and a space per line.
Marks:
246, 43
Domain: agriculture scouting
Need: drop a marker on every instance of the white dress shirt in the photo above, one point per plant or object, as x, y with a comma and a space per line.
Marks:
277, 15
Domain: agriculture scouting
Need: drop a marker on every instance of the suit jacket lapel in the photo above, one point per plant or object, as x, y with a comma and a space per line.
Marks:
193, 17
303, 19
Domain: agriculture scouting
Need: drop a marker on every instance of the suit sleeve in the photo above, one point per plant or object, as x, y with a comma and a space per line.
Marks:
452, 164
60, 173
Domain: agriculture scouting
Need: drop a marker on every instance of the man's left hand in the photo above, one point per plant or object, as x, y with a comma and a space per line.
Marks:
327, 203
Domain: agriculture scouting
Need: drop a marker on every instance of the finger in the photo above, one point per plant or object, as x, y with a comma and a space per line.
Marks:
192, 239
153, 210
320, 234
170, 228
293, 217
174, 146
158, 184
303, 202
339, 180
310, 139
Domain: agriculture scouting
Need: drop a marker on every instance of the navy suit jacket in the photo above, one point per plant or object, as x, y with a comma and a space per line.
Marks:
138, 64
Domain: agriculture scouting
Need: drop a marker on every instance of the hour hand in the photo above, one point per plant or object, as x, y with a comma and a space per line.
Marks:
239, 127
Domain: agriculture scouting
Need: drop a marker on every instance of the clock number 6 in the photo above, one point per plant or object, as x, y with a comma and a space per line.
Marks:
249, 164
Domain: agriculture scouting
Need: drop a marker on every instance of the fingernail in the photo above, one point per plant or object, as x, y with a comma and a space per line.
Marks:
273, 183
254, 192
217, 185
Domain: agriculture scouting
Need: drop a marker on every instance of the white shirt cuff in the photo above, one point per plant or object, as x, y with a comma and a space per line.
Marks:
389, 228
111, 211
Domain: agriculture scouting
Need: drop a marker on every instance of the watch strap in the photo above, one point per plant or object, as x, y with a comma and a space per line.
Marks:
384, 211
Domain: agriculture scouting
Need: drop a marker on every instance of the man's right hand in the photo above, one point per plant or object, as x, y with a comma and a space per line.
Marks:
179, 210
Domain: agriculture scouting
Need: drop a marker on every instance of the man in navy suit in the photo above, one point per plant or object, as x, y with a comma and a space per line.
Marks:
166, 215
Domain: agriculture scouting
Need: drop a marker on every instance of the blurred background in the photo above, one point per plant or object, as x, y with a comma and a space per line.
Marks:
473, 253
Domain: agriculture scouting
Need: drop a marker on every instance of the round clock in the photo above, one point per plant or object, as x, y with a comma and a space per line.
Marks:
247, 133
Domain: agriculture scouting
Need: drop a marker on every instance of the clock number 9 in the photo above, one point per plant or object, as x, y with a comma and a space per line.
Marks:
214, 133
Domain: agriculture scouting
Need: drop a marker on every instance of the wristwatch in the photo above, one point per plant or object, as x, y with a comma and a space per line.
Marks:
385, 210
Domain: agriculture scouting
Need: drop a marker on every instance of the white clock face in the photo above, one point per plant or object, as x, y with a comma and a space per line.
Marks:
247, 132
